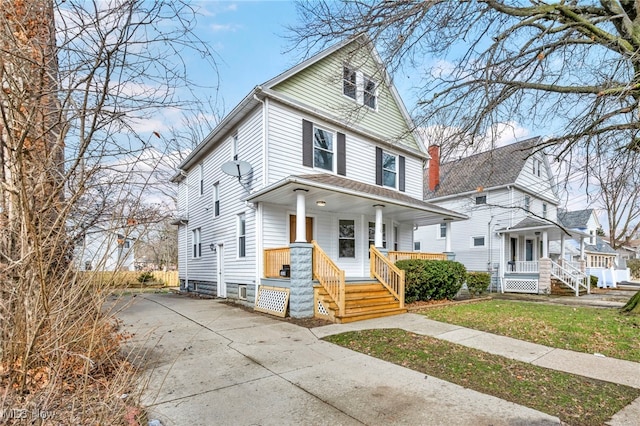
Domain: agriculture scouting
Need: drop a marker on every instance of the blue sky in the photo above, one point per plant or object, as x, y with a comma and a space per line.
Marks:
248, 37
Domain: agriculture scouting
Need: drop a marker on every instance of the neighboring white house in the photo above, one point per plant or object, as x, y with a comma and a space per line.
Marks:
105, 250
323, 152
601, 260
510, 197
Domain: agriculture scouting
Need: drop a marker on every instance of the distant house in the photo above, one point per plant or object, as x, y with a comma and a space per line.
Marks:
510, 197
288, 193
601, 260
102, 249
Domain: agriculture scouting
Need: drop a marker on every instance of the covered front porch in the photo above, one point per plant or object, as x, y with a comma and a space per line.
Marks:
527, 264
334, 234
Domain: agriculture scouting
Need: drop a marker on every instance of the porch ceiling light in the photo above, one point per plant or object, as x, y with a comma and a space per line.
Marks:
448, 219
321, 203
212, 246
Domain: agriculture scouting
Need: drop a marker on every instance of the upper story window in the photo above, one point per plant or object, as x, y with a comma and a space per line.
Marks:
201, 178
369, 92
216, 199
537, 165
481, 199
389, 169
234, 146
544, 210
196, 242
359, 87
349, 83
323, 149
527, 203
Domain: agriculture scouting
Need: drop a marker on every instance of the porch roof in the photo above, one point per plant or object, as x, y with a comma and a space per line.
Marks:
532, 225
349, 196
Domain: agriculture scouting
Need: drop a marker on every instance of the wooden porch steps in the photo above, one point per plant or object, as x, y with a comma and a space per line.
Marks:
362, 301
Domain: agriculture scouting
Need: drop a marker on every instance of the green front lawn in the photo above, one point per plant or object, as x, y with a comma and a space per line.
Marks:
582, 329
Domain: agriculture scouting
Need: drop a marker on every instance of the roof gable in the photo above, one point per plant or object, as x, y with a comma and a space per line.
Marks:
318, 83
578, 219
494, 168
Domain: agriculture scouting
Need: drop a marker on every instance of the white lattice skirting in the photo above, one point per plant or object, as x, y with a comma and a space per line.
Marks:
520, 286
273, 300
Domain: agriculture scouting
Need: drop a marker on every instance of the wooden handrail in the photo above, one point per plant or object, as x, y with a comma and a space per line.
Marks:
329, 276
274, 259
394, 256
387, 273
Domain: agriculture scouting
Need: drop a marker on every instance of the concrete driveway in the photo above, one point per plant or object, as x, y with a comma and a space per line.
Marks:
208, 363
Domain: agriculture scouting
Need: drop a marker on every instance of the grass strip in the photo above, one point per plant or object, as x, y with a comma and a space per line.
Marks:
576, 400
580, 329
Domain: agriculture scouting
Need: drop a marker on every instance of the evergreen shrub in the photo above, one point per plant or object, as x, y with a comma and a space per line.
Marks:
478, 282
431, 279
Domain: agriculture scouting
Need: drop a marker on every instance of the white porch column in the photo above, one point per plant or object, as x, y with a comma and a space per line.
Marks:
378, 234
447, 237
562, 259
545, 244
301, 216
581, 248
503, 249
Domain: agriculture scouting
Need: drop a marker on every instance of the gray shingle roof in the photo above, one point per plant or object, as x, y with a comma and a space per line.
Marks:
601, 246
497, 167
577, 219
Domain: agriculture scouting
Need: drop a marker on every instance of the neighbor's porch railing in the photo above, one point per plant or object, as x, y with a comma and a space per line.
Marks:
329, 276
571, 276
394, 256
384, 269
274, 259
523, 266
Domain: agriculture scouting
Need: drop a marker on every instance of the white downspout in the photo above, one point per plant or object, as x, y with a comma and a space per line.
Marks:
259, 211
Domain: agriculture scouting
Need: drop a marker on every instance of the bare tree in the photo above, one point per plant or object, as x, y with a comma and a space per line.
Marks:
618, 182
79, 81
571, 67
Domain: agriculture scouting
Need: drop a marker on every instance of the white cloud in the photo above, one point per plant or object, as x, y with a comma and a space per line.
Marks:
217, 28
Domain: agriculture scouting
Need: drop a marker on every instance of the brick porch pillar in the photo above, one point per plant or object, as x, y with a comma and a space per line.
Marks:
301, 293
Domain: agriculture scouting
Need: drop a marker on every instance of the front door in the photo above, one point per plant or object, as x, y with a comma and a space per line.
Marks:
292, 228
528, 250
221, 290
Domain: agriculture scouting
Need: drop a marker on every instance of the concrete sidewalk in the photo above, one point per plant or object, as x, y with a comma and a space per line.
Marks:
211, 363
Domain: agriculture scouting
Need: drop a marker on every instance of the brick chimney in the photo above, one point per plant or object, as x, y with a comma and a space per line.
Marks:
434, 166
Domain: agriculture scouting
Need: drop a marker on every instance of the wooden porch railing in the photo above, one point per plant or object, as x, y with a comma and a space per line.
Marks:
329, 276
394, 256
387, 273
274, 258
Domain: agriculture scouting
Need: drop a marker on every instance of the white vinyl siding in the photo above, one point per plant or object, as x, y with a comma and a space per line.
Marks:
285, 152
321, 86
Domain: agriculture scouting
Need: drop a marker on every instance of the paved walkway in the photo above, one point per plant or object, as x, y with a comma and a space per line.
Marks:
211, 363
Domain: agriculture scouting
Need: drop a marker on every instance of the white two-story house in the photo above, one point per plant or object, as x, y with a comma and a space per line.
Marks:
510, 197
321, 159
